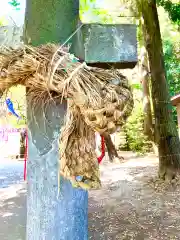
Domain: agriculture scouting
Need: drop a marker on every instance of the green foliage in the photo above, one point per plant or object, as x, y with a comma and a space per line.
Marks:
88, 13
18, 97
17, 124
172, 65
2, 21
137, 140
137, 86
171, 7
173, 10
15, 3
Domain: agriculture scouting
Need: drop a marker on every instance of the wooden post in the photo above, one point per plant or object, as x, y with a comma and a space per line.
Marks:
49, 216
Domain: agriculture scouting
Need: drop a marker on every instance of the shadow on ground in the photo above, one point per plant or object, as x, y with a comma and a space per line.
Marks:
128, 206
13, 213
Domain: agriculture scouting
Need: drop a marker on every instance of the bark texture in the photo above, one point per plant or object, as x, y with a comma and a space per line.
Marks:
165, 128
147, 109
112, 152
144, 76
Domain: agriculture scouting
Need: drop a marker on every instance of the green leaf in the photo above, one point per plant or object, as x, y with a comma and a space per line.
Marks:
136, 86
14, 3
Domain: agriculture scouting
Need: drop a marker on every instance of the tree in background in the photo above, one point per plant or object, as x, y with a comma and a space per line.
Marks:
171, 40
172, 65
173, 9
144, 76
167, 135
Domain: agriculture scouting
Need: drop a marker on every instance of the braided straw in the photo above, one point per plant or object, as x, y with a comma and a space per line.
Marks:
98, 100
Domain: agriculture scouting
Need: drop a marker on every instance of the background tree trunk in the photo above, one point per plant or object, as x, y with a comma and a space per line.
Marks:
144, 75
167, 135
148, 117
22, 143
49, 216
112, 152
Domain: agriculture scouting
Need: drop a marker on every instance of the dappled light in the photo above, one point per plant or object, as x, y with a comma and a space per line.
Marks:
129, 207
12, 212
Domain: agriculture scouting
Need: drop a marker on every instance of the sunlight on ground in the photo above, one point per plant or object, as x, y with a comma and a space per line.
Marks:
126, 207
7, 215
10, 192
111, 174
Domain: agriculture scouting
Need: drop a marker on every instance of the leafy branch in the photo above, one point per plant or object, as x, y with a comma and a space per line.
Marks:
173, 10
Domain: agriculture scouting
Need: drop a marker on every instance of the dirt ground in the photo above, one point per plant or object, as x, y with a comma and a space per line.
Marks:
13, 213
131, 205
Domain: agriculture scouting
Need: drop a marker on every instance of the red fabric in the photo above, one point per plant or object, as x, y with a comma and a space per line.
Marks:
26, 155
100, 158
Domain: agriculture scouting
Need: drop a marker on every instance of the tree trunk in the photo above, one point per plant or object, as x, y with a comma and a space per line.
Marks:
22, 144
165, 128
112, 152
144, 75
49, 216
145, 80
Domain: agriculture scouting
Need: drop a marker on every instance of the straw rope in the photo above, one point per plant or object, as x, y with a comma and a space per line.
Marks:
98, 100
